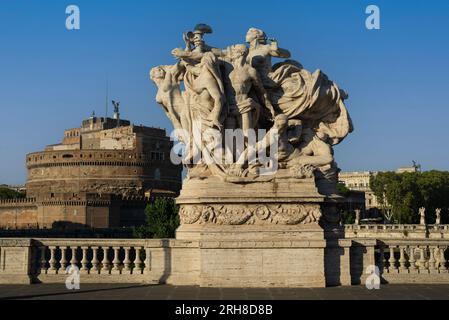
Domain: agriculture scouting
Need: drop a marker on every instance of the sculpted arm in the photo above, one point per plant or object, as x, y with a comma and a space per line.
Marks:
277, 52
196, 56
219, 53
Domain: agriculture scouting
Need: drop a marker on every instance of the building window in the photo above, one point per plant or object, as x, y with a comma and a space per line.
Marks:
157, 174
157, 156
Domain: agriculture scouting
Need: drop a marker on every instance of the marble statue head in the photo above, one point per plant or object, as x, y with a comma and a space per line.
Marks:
198, 38
256, 34
157, 73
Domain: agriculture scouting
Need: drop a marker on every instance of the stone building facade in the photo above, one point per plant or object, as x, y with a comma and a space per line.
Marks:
360, 181
97, 177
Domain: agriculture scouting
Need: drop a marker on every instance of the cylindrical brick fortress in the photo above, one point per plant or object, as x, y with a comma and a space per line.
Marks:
118, 172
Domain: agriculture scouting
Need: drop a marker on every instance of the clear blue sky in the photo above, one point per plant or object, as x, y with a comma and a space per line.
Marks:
397, 77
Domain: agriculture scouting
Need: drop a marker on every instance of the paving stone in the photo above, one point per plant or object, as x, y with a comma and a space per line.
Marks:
147, 292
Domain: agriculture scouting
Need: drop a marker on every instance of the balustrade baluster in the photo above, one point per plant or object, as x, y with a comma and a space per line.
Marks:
392, 260
105, 263
84, 261
73, 260
402, 259
412, 259
442, 259
433, 263
53, 261
116, 261
422, 259
137, 262
63, 261
127, 262
95, 263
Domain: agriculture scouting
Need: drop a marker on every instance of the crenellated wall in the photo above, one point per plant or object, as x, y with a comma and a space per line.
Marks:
18, 213
84, 210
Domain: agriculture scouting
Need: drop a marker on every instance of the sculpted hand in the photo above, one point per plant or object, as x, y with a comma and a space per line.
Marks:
178, 53
274, 44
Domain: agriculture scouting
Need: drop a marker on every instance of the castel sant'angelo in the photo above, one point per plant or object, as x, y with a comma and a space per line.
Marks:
99, 176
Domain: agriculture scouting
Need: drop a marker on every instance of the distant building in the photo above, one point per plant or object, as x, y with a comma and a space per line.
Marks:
17, 188
360, 181
97, 176
408, 169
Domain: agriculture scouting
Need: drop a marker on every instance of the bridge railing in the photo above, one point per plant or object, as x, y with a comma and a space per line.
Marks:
98, 260
400, 259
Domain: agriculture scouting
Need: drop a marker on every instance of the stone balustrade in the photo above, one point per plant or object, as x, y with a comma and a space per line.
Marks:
409, 256
400, 259
396, 231
412, 260
96, 257
382, 227
98, 260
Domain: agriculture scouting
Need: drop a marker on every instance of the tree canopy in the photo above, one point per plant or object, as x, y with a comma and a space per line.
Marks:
403, 194
6, 193
162, 220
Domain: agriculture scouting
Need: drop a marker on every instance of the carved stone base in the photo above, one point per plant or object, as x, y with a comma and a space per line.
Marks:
256, 256
250, 214
278, 202
263, 234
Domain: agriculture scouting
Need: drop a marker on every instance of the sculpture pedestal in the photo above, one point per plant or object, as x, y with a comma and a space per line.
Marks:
253, 256
255, 235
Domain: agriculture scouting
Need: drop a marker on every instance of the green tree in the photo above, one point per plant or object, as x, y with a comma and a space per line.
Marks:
347, 217
403, 194
162, 220
343, 190
434, 193
6, 193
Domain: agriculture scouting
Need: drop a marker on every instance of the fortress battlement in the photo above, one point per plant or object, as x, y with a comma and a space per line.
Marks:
17, 202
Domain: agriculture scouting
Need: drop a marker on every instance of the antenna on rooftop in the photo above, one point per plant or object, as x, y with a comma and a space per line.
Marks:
107, 97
